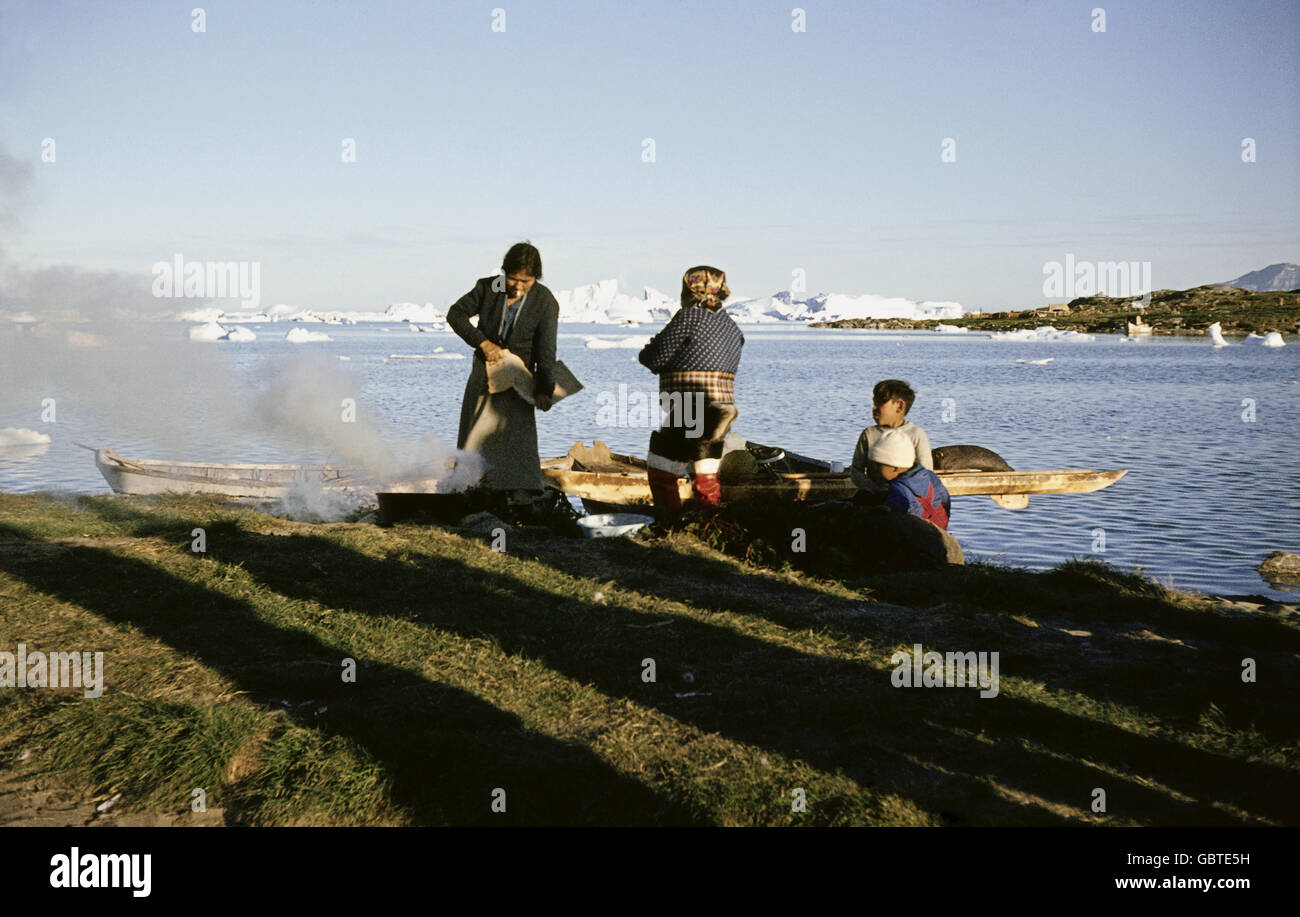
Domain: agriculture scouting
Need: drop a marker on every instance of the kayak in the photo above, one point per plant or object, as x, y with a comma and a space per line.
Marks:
610, 479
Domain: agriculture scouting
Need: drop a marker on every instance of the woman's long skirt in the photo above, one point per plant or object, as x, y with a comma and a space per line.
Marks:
503, 429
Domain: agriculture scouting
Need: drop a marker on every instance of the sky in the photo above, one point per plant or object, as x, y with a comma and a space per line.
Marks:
775, 150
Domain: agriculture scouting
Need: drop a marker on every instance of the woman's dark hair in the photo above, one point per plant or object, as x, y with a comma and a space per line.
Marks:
889, 389
523, 257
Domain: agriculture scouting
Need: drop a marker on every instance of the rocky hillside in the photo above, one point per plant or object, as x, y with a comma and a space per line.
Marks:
1238, 311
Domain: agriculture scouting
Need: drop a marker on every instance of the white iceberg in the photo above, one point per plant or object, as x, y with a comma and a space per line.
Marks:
211, 331
17, 436
240, 333
827, 307
202, 316
941, 328
1272, 339
426, 356
1041, 333
413, 312
1215, 332
627, 343
303, 336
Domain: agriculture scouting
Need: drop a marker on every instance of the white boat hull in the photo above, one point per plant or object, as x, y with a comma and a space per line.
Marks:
236, 479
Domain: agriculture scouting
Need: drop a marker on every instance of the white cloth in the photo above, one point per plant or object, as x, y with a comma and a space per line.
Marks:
511, 373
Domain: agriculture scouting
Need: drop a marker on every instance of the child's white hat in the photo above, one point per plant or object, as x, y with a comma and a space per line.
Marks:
893, 448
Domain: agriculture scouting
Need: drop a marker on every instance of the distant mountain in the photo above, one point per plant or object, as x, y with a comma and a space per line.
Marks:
1271, 279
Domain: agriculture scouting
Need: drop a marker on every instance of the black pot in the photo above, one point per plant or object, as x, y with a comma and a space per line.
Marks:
444, 508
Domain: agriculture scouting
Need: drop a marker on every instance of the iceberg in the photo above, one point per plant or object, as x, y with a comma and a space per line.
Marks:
829, 307
1215, 332
240, 333
413, 312
1041, 333
1272, 339
627, 343
202, 316
303, 336
17, 436
602, 304
210, 331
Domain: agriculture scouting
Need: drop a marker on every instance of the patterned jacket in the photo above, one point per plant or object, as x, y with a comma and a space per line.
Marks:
920, 492
699, 350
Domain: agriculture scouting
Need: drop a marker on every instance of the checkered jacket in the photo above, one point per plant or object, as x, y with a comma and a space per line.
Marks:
699, 350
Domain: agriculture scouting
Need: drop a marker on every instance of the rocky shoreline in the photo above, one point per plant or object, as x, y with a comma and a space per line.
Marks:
1170, 312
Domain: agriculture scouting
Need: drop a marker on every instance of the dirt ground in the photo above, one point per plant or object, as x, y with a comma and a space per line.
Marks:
34, 801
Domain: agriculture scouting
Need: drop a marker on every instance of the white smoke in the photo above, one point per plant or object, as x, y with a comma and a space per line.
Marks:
74, 338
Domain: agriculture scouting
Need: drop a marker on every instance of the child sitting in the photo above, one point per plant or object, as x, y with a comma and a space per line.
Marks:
913, 488
892, 399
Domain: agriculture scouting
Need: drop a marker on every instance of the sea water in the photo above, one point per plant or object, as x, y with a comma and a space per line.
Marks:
1209, 436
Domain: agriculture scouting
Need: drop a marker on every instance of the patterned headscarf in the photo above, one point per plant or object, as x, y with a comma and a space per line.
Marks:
704, 286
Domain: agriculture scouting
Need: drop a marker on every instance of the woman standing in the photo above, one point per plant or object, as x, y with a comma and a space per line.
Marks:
696, 357
515, 313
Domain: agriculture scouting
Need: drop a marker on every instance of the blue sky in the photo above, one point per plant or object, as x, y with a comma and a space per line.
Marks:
775, 150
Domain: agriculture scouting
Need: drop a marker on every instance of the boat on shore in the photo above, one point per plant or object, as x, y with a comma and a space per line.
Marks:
238, 479
605, 480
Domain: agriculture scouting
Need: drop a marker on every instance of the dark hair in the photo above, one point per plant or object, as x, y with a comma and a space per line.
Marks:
523, 257
889, 389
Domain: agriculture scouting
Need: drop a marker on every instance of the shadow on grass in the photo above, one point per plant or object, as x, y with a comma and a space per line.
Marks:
444, 749
942, 749
1141, 650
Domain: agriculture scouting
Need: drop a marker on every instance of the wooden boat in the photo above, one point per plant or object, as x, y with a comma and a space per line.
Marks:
605, 479
236, 479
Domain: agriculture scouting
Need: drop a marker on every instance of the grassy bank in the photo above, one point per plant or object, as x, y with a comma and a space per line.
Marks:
524, 670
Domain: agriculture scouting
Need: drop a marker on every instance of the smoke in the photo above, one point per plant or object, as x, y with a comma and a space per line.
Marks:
73, 343
316, 402
60, 292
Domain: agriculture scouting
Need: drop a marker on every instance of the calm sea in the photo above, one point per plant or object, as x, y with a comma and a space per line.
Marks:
1210, 437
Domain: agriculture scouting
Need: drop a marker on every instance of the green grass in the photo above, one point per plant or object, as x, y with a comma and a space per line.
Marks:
523, 671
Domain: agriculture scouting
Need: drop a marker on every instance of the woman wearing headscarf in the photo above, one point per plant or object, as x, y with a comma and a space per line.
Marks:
696, 357
516, 313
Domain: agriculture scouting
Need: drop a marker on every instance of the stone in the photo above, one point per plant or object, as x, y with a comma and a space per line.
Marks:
482, 523
1281, 567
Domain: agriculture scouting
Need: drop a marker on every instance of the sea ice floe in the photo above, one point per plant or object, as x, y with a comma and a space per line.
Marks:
627, 343
1041, 333
211, 331
17, 436
303, 336
1272, 339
